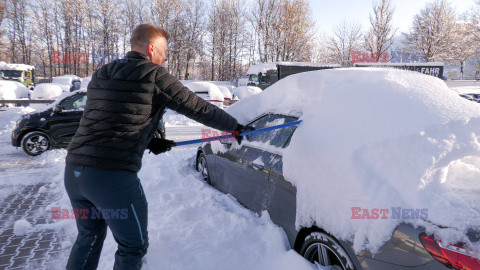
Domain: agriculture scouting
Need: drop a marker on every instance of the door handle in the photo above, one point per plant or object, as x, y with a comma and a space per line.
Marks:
260, 168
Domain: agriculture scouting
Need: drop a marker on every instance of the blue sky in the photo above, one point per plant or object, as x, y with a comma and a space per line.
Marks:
328, 13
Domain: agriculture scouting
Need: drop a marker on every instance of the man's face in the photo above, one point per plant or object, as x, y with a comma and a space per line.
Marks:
157, 51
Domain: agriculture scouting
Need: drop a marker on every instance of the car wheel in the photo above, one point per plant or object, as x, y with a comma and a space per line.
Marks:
202, 167
35, 143
321, 249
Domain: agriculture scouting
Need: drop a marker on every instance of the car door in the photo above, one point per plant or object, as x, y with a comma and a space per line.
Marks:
67, 118
247, 175
280, 200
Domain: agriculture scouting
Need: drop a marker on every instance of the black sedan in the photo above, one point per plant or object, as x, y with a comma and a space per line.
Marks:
54, 126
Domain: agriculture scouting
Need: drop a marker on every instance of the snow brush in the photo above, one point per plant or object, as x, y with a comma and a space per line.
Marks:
225, 137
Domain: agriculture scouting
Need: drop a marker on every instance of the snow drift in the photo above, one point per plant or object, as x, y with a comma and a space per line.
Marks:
377, 138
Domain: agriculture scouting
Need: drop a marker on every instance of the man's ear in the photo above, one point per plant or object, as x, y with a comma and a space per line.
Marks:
150, 49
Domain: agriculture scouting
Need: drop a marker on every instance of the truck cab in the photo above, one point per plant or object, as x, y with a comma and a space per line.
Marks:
266, 74
24, 74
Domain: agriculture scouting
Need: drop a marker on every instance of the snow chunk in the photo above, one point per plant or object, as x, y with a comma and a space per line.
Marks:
21, 227
375, 138
12, 90
246, 91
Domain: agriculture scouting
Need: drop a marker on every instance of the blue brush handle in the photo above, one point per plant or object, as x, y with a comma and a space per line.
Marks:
241, 134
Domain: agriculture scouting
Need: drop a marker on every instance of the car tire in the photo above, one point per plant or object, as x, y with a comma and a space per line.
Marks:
202, 167
35, 143
322, 249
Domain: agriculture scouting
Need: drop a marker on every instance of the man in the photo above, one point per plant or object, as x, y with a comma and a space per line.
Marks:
126, 100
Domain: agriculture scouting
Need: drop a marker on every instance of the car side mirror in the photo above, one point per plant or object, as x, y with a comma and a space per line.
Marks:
57, 109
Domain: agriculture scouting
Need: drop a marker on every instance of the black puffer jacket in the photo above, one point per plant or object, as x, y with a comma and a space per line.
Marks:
125, 102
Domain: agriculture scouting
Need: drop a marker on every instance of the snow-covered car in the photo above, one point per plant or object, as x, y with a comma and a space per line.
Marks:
208, 91
12, 90
227, 95
47, 91
55, 125
472, 97
242, 92
382, 173
69, 82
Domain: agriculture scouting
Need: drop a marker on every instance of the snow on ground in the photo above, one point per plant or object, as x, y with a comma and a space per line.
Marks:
191, 225
374, 138
171, 118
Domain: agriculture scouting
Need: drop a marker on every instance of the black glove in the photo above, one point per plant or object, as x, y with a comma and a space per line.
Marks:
157, 145
240, 129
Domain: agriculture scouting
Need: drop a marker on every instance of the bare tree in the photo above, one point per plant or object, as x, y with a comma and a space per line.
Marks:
294, 36
347, 37
380, 36
226, 39
433, 32
466, 43
264, 20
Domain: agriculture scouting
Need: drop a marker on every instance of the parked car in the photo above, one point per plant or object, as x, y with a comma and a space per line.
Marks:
254, 172
54, 126
208, 91
471, 97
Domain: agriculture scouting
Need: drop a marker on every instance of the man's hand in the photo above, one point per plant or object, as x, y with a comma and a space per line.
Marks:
158, 146
240, 129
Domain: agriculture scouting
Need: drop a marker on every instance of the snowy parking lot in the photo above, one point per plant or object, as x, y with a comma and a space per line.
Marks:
191, 225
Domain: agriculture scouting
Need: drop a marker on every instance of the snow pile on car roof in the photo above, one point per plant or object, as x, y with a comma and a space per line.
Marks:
47, 91
377, 139
12, 90
245, 91
214, 93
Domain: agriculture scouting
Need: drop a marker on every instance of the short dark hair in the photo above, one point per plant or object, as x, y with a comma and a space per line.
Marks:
147, 33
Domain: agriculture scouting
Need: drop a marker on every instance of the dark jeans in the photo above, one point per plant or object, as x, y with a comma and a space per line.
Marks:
113, 198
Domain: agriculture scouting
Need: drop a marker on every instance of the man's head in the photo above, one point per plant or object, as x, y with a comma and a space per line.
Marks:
150, 41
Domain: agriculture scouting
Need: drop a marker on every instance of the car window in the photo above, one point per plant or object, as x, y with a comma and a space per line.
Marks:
277, 137
76, 102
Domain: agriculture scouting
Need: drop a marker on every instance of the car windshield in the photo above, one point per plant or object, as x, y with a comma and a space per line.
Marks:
11, 73
253, 78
